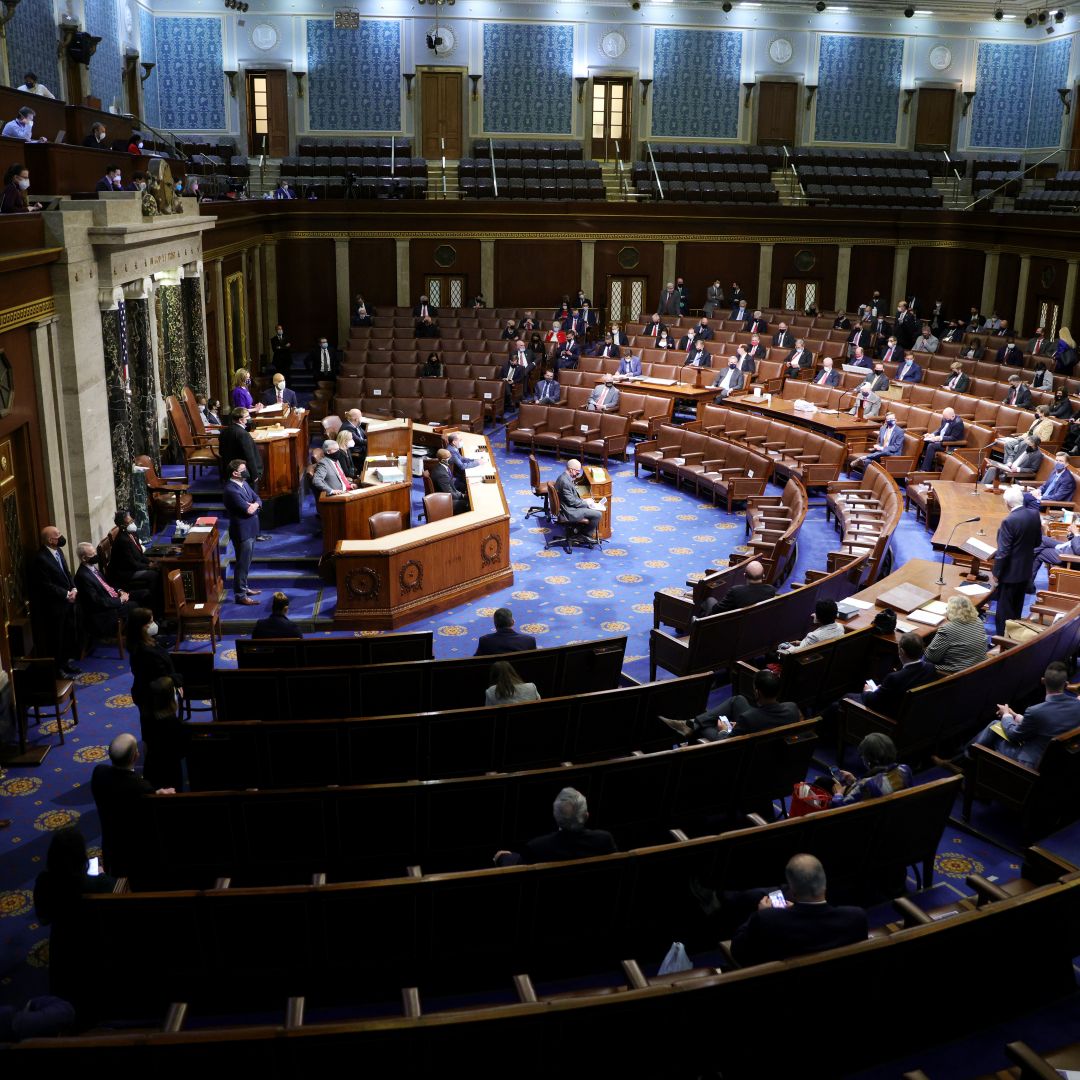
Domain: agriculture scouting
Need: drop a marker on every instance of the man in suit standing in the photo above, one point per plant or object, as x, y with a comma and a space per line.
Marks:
959, 380
684, 296
889, 442
799, 359
354, 425
1049, 551
571, 840
714, 298
505, 638
323, 359
578, 511
699, 358
242, 504
669, 301
951, 429
52, 601
1019, 534
1029, 734
423, 309
783, 338
906, 327
807, 923
1060, 485
738, 716
1040, 344
914, 670
117, 791
235, 442
329, 476
604, 396
728, 380
101, 604
1019, 393
279, 393
281, 349
909, 371
826, 376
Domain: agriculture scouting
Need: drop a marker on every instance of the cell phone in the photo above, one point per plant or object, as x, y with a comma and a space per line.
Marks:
777, 899
94, 869
836, 774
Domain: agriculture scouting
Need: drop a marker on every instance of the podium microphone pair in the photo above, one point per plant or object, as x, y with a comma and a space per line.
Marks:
966, 521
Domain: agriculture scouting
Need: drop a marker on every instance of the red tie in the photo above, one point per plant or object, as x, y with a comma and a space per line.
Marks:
344, 481
1038, 344
107, 587
888, 354
821, 378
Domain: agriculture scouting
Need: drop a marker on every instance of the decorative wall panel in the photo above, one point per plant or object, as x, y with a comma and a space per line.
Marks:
114, 342
1000, 110
191, 297
354, 76
858, 98
148, 54
1051, 71
528, 78
695, 92
106, 66
146, 436
32, 38
190, 73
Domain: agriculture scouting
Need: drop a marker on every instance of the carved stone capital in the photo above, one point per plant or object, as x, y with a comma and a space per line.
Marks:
110, 299
139, 289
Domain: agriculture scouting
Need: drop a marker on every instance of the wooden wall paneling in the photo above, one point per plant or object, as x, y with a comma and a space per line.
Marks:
307, 299
422, 263
536, 273
1008, 282
950, 274
785, 267
1046, 280
373, 271
649, 264
871, 268
701, 263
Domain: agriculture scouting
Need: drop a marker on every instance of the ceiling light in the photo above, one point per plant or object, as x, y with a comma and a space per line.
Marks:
1029, 20
1008, 17
999, 15
922, 14
820, 5
725, 7
1059, 16
1043, 15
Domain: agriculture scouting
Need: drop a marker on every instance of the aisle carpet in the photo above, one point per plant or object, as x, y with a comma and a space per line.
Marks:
661, 539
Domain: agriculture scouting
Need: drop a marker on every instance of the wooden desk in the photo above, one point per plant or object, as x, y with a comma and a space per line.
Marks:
386, 583
199, 563
959, 501
699, 395
597, 484
390, 438
840, 425
345, 516
283, 452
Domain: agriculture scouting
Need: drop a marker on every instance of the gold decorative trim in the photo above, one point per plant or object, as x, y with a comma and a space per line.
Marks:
35, 311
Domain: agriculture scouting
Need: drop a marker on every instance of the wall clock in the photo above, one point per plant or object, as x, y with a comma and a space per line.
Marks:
780, 50
447, 40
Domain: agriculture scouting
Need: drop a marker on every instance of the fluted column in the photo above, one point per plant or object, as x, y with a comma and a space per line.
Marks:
217, 282
401, 250
1069, 302
901, 257
194, 312
172, 348
269, 250
118, 390
1020, 310
487, 271
843, 277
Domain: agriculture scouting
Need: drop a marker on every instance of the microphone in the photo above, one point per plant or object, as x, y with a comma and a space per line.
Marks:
966, 521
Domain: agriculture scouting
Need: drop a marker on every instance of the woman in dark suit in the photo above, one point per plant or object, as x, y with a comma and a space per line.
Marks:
344, 456
150, 661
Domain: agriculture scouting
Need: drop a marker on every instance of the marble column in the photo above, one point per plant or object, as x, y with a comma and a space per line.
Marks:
843, 277
401, 251
191, 300
989, 282
487, 272
764, 277
172, 347
1069, 303
341, 266
671, 252
588, 272
1020, 310
146, 430
901, 257
114, 342
218, 282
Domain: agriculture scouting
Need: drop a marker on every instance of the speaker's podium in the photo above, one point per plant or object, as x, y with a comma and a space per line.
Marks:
595, 483
198, 558
281, 436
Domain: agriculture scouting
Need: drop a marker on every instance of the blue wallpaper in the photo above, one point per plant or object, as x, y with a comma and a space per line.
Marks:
106, 65
32, 38
189, 74
148, 54
1000, 110
858, 96
1051, 71
354, 76
695, 91
528, 78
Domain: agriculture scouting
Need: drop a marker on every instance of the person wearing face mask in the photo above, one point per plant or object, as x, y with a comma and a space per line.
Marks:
548, 391
31, 85
235, 442
129, 568
16, 184
868, 392
52, 601
150, 661
322, 360
22, 127
728, 380
136, 144
96, 138
330, 476
1060, 485
277, 624
136, 183
111, 181
604, 396
346, 445
279, 393
243, 504
101, 605
889, 442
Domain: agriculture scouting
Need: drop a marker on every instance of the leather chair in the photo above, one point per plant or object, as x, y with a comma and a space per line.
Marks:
384, 523
207, 614
37, 688
197, 671
438, 505
539, 489
169, 499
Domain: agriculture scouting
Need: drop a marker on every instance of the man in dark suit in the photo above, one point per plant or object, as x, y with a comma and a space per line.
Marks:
52, 601
117, 791
242, 504
799, 359
618, 335
281, 348
909, 371
574, 508
745, 361
807, 923
548, 391
504, 638
698, 357
826, 376
130, 569
323, 359
571, 840
100, 603
424, 310
1040, 344
841, 322
958, 380
783, 338
914, 670
756, 349
950, 429
669, 302
426, 328
1029, 734
907, 327
1010, 355
729, 379
753, 591
235, 442
277, 624
655, 327
1019, 534
881, 327
703, 331
111, 180
737, 716
443, 482
353, 424
608, 348
954, 333
891, 353
758, 325
1050, 550
860, 358
1060, 485
862, 336
279, 393
1019, 393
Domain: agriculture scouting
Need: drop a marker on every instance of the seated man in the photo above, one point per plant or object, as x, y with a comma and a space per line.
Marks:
737, 716
914, 670
504, 638
426, 328
1024, 737
1060, 485
698, 358
826, 376
354, 424
926, 342
891, 351
1019, 393
703, 330
746, 363
889, 442
618, 335
571, 840
798, 360
443, 482
1023, 457
329, 477
951, 429
515, 372
629, 367
756, 349
277, 624
1010, 355
859, 358
806, 923
129, 567
101, 604
728, 380
1049, 552
739, 596
654, 327
909, 371
783, 338
567, 356
582, 514
869, 390
604, 396
607, 348
548, 391
825, 628
461, 464
279, 393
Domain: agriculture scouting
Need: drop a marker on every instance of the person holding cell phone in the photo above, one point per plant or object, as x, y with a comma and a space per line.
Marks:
883, 774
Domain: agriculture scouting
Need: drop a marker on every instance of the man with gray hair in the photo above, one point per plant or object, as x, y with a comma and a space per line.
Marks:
329, 477
117, 790
1019, 534
798, 919
571, 840
100, 603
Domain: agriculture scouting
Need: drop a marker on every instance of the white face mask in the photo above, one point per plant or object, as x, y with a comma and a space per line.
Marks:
141, 186
140, 145
23, 184
101, 137
133, 528
152, 629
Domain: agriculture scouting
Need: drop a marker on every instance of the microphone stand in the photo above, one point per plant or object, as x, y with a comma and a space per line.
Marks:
945, 549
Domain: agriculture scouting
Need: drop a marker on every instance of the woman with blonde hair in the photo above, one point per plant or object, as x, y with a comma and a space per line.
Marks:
346, 441
960, 641
240, 394
1065, 353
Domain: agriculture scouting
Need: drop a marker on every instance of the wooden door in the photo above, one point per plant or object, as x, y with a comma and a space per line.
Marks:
626, 298
778, 113
440, 114
131, 85
268, 113
18, 534
612, 100
799, 295
446, 290
934, 118
1074, 142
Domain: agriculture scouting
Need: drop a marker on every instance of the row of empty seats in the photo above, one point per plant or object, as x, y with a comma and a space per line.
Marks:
770, 156
1049, 201
526, 148
716, 171
339, 165
933, 163
692, 191
483, 187
1009, 181
848, 195
1068, 180
544, 169
337, 146
365, 187
862, 175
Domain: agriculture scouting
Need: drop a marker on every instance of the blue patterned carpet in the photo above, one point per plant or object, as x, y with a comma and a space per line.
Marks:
661, 539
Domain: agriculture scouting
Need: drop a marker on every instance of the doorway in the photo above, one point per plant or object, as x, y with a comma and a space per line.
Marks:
778, 113
18, 531
441, 115
132, 85
1074, 142
612, 101
1049, 315
268, 113
934, 118
446, 290
800, 295
626, 298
